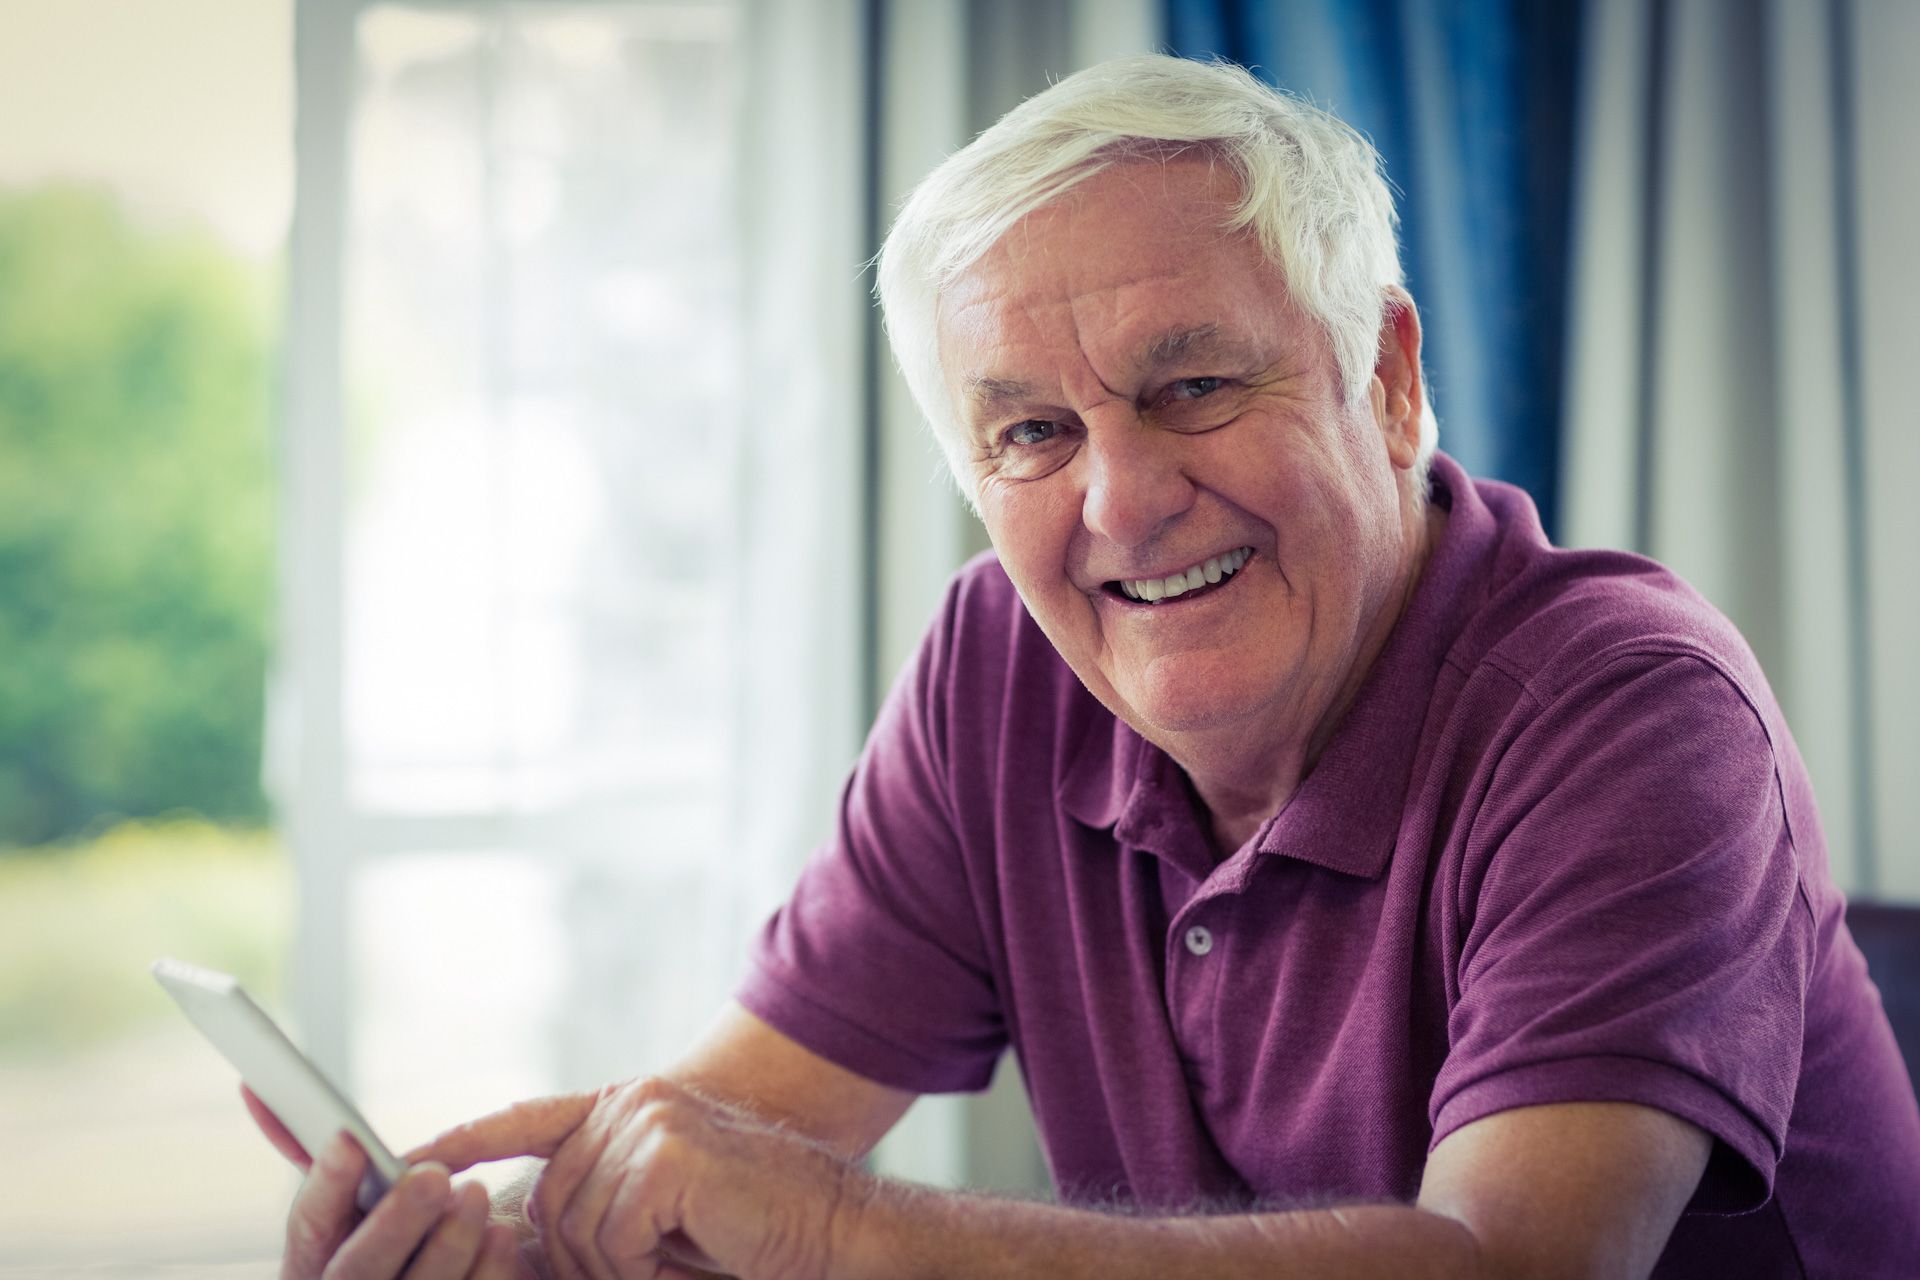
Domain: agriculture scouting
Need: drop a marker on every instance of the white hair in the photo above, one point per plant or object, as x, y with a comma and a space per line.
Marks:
1311, 192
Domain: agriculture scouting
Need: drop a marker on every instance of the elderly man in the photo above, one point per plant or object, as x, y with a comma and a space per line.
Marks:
1365, 886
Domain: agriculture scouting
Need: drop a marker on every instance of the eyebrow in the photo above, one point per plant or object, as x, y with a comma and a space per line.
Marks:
988, 395
1176, 344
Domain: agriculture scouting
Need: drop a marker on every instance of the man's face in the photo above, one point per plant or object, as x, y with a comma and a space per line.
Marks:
1143, 406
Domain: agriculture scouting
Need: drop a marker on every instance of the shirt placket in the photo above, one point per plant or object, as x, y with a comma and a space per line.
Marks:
1196, 955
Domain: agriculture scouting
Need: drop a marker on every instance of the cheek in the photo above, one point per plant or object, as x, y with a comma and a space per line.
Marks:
1330, 484
1032, 531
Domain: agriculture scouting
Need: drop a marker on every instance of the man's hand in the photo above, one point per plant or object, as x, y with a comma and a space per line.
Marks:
422, 1229
650, 1181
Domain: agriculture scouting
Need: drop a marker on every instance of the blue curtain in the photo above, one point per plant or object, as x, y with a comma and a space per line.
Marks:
1471, 104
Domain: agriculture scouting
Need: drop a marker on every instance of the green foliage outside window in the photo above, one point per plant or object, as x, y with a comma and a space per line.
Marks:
135, 519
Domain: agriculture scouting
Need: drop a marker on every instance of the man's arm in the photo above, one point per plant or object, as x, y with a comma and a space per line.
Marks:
743, 1061
675, 1170
1569, 1190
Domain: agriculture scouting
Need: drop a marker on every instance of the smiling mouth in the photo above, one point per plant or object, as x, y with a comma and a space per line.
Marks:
1195, 580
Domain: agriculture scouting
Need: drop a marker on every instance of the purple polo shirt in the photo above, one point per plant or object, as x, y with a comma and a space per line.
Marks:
1561, 848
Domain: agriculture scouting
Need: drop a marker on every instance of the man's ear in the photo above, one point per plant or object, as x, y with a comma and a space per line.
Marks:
1398, 394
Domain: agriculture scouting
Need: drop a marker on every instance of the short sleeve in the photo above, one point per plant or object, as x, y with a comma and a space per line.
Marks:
876, 962
1635, 929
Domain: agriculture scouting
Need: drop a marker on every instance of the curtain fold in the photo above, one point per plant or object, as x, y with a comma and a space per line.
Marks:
569, 566
1727, 408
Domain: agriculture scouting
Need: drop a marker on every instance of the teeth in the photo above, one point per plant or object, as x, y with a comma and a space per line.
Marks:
1213, 570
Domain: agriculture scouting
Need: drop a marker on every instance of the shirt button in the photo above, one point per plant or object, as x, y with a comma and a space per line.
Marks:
1199, 940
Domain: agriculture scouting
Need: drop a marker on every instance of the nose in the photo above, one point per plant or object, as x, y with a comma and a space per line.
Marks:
1135, 480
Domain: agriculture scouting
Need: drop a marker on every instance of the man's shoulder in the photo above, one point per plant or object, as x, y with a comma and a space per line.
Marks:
1561, 615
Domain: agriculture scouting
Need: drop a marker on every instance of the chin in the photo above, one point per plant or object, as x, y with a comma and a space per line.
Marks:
1188, 717
1189, 700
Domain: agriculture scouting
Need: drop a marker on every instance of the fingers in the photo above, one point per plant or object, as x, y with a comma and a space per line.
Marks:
592, 1143
534, 1128
323, 1214
556, 1208
422, 1229
283, 1140
584, 1224
399, 1224
498, 1251
454, 1247
631, 1232
534, 1263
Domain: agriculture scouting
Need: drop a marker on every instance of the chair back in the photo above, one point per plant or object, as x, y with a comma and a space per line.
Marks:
1889, 937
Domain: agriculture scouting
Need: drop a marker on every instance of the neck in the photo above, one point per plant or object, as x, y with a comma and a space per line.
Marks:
1239, 798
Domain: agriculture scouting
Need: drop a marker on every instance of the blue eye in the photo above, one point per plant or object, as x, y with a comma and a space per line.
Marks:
1195, 388
1033, 431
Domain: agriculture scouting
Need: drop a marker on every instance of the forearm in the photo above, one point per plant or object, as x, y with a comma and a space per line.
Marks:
894, 1231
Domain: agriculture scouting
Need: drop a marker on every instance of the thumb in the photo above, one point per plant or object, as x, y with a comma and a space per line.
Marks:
536, 1127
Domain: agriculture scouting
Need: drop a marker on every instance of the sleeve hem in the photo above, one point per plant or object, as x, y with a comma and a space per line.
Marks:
1739, 1177
849, 1044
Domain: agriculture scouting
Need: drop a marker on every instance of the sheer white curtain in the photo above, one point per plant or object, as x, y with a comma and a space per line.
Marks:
568, 668
1737, 401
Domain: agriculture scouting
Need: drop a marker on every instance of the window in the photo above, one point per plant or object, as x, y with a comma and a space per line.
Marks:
569, 477
141, 230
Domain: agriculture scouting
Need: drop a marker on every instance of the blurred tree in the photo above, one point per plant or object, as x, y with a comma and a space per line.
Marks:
135, 518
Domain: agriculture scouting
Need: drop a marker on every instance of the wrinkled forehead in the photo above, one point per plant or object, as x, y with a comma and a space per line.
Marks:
1132, 254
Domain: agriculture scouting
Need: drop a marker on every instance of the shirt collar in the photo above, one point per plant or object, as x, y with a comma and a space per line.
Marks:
1346, 814
1120, 780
